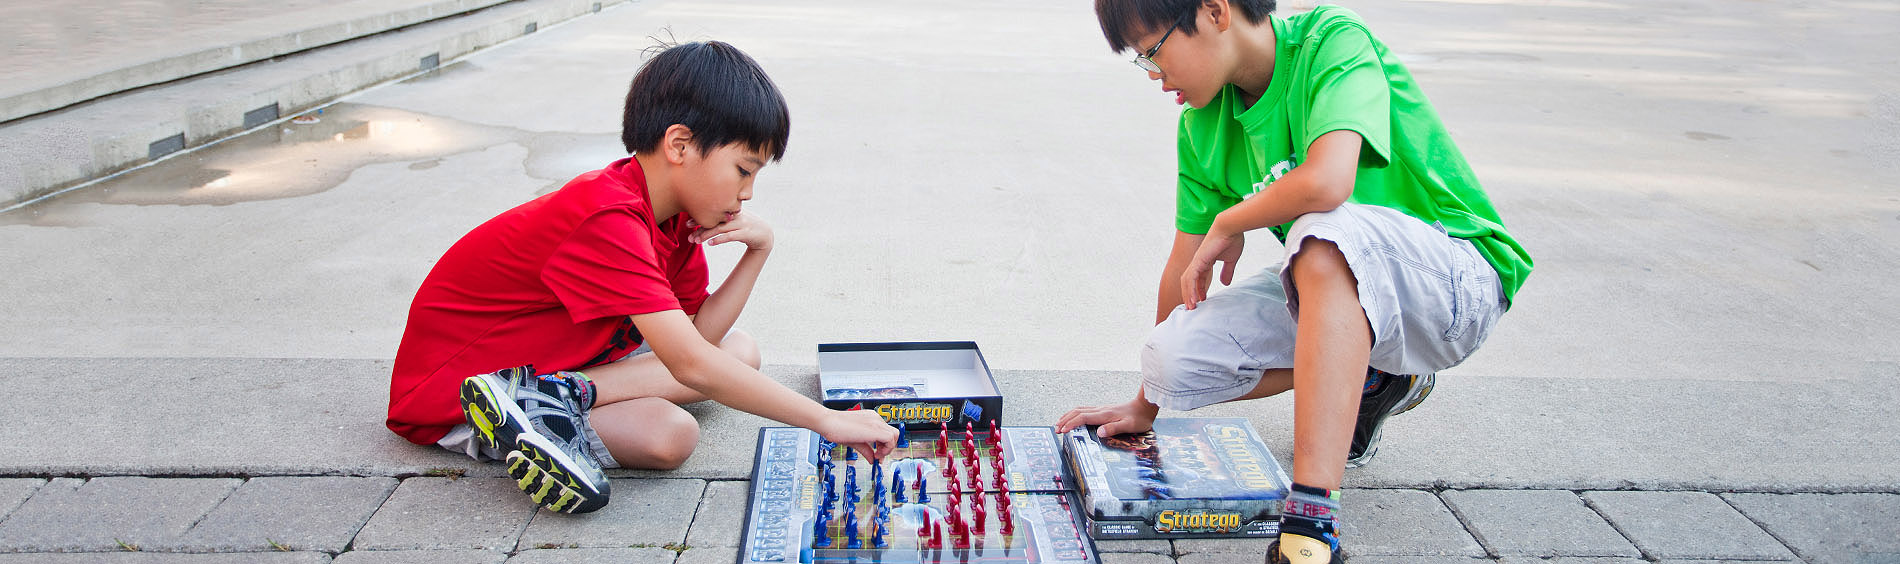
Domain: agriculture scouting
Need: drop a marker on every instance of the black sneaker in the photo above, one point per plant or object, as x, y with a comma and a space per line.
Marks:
535, 421
1385, 395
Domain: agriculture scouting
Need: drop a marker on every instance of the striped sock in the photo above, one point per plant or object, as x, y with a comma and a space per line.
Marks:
1311, 515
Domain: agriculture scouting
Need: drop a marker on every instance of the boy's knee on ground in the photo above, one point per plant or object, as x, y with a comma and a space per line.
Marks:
665, 437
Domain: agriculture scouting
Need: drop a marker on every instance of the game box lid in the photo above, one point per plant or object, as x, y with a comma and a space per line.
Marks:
923, 385
1189, 477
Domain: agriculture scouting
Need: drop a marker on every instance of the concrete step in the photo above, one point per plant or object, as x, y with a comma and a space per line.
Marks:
69, 52
51, 151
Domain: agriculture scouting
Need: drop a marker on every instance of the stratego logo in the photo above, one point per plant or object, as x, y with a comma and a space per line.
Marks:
1174, 521
917, 413
1235, 445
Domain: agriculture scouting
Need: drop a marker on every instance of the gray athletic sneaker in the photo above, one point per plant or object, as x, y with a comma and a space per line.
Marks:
537, 423
1385, 395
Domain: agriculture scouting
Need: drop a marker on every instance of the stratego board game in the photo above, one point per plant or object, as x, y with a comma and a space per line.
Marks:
993, 495
1187, 478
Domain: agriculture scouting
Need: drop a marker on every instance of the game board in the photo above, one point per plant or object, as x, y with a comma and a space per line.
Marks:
1028, 511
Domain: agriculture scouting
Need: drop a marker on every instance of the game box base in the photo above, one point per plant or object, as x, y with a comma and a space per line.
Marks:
1188, 478
923, 385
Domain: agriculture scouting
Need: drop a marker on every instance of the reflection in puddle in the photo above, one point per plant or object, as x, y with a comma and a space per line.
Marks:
290, 160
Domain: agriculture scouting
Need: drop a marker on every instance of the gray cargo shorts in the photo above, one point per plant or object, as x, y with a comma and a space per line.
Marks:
1430, 299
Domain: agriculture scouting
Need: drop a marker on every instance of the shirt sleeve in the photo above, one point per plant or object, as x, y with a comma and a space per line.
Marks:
1349, 91
1196, 202
608, 267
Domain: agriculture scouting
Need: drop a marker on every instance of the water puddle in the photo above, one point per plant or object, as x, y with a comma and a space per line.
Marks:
290, 160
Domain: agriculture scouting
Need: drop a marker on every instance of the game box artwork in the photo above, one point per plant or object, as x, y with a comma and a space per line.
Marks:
920, 385
1188, 478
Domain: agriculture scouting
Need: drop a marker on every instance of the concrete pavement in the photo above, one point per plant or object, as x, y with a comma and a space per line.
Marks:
1706, 345
92, 90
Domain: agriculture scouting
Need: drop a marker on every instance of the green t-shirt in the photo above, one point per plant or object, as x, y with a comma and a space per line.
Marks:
1330, 74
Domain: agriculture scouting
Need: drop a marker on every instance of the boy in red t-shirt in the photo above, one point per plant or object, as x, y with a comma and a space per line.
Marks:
606, 276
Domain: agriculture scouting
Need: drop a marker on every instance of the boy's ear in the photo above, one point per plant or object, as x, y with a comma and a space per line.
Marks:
1222, 14
674, 143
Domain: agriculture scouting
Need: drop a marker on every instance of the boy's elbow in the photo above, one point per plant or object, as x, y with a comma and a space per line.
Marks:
692, 370
1328, 195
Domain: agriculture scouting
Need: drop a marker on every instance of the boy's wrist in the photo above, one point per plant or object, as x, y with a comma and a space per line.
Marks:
1221, 227
1141, 405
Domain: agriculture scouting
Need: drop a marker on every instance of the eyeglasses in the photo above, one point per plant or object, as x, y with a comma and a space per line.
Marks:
1145, 60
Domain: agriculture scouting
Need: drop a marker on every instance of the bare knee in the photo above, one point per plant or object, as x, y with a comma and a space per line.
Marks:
681, 436
648, 433
1319, 262
742, 346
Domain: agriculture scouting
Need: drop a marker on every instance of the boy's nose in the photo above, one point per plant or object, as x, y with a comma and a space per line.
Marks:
1152, 75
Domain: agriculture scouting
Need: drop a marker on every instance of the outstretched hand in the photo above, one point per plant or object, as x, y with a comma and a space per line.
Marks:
862, 431
1136, 416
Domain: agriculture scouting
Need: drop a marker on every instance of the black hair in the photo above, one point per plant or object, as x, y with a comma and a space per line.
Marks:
711, 88
1123, 20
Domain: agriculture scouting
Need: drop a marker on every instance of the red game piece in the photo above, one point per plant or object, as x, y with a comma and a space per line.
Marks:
969, 430
979, 516
943, 441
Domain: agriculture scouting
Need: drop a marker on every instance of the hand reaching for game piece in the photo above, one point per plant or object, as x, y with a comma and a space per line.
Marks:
863, 431
1136, 416
742, 227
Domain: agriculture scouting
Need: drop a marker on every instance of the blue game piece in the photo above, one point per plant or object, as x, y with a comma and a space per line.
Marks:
851, 533
850, 454
903, 437
821, 530
897, 486
923, 489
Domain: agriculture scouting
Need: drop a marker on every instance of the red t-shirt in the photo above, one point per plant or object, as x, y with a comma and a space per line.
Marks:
549, 283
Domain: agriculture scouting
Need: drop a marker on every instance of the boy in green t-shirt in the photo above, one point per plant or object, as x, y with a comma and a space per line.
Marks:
1396, 265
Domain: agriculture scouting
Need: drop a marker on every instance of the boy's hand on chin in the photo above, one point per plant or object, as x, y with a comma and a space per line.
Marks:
743, 227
